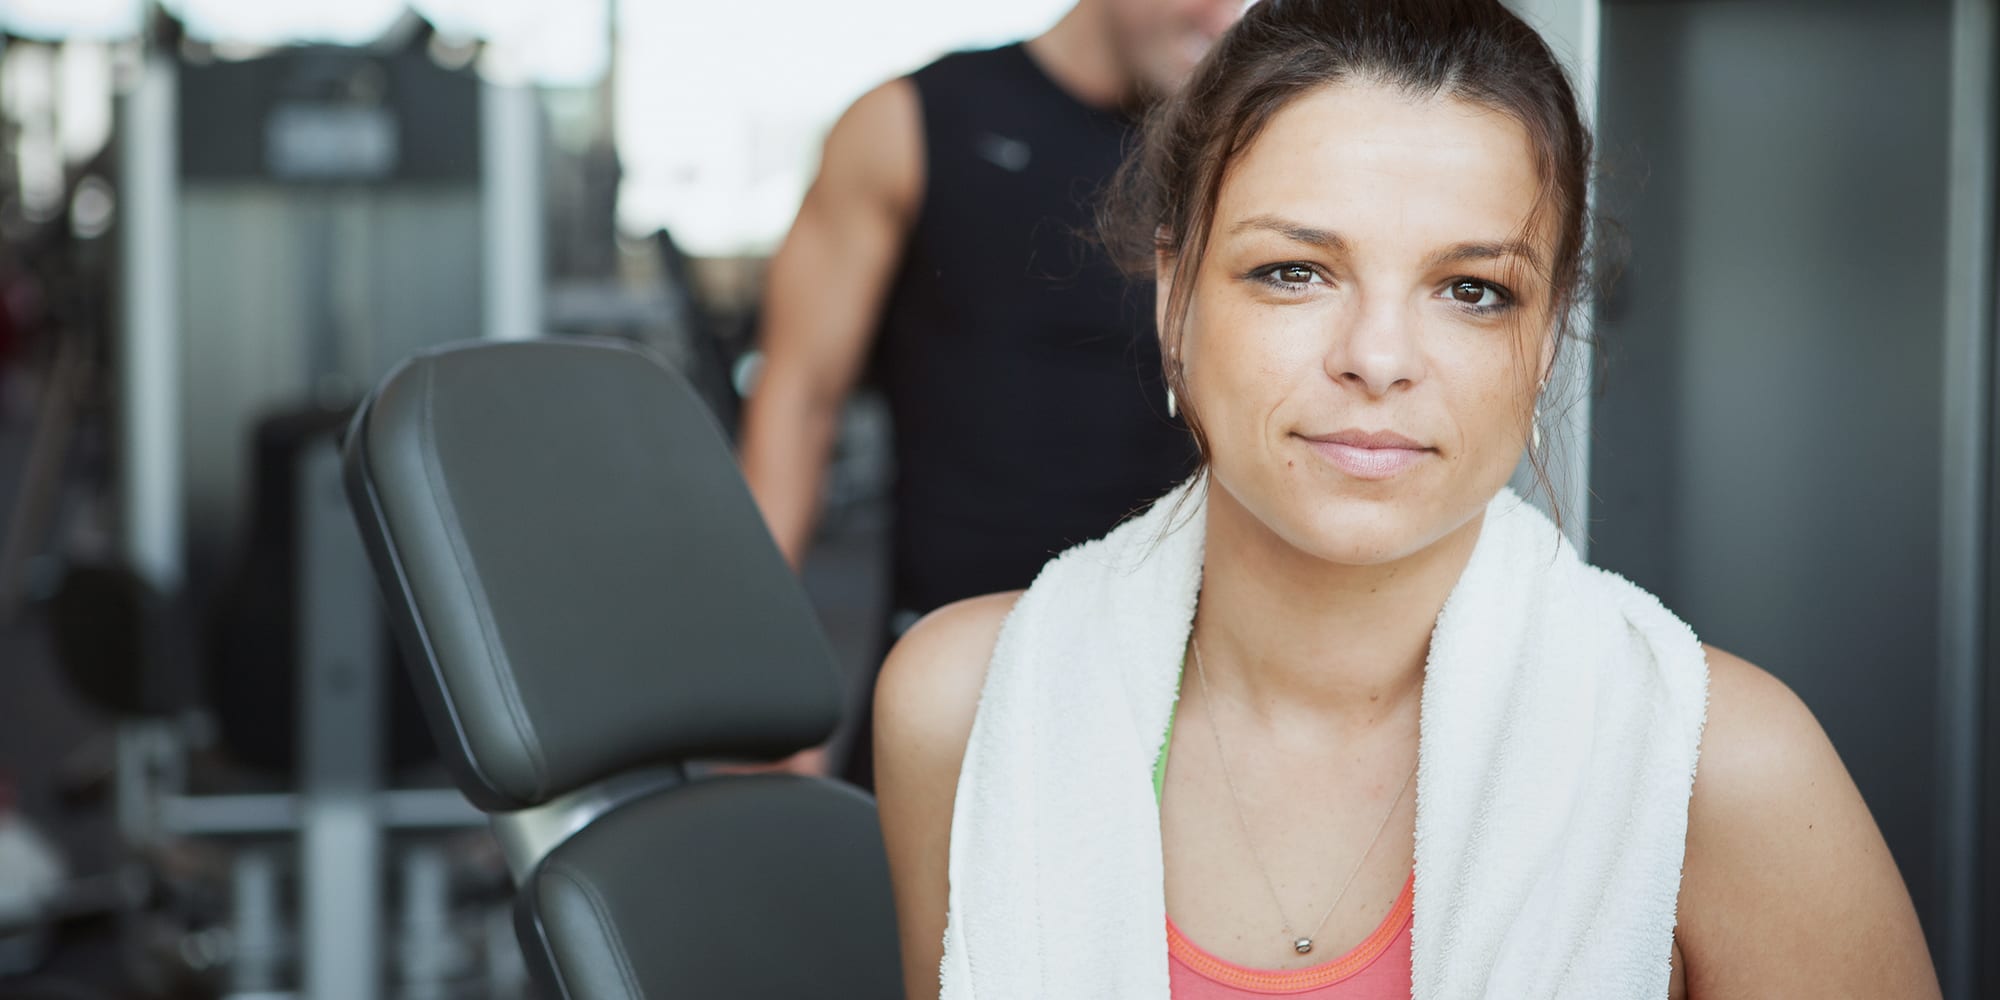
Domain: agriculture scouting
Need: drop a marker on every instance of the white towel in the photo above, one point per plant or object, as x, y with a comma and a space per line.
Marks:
1562, 710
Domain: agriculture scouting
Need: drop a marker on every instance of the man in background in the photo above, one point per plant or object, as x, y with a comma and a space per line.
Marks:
945, 246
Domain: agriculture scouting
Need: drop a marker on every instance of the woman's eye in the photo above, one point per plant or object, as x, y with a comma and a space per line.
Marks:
1291, 277
1476, 294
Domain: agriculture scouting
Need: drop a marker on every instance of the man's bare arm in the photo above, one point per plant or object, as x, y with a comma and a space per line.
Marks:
823, 302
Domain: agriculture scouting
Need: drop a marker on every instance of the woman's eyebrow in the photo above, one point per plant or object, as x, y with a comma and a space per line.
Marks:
1332, 242
1465, 253
1297, 232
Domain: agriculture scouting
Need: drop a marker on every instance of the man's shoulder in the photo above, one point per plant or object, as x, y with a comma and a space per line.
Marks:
971, 63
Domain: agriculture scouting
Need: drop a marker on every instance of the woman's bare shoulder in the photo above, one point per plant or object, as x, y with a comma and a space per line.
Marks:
1787, 879
925, 703
1758, 732
929, 689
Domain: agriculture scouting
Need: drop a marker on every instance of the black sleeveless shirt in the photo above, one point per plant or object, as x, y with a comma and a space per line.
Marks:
1021, 369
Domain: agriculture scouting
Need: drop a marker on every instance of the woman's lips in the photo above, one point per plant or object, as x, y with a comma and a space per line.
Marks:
1372, 455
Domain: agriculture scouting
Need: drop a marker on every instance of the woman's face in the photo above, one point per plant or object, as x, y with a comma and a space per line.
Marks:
1368, 328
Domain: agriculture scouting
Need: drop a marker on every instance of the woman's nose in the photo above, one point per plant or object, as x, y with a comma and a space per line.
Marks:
1376, 351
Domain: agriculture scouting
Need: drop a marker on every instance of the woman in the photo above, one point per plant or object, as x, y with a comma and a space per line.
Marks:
1367, 221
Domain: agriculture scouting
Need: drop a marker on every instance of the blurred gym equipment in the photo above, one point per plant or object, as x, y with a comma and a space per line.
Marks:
289, 226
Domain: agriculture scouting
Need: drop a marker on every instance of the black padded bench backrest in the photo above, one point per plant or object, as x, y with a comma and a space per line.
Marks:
586, 585
585, 591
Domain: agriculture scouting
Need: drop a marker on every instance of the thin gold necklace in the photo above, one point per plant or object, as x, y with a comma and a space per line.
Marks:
1303, 944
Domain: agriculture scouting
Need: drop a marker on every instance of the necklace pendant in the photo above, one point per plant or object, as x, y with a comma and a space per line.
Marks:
1303, 946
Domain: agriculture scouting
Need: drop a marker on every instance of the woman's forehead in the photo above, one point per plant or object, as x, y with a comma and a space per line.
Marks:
1376, 164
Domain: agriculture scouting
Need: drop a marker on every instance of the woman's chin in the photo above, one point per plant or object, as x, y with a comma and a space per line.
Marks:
1355, 532
1337, 523
1352, 534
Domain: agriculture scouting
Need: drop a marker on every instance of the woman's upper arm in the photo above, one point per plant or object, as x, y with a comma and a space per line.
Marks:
1788, 888
924, 707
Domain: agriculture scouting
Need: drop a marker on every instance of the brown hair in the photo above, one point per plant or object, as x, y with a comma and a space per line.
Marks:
1163, 200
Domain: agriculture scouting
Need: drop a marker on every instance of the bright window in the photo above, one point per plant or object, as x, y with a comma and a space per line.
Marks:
722, 105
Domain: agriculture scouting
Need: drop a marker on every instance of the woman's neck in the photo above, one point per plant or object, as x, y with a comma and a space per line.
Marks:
1289, 635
